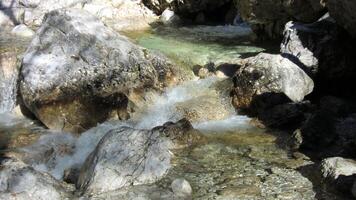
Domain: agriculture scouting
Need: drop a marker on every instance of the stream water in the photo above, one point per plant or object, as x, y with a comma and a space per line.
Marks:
239, 161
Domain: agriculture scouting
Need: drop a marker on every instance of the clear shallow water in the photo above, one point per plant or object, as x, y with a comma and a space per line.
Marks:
199, 45
11, 48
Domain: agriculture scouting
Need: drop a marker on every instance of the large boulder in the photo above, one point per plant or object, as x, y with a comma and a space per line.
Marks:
324, 51
344, 14
127, 156
21, 182
267, 74
269, 16
76, 71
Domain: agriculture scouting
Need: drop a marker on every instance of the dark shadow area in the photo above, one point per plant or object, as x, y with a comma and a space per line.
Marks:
276, 110
335, 70
227, 69
327, 190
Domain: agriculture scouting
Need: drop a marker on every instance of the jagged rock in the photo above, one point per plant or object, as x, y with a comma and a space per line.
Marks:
76, 67
267, 74
324, 51
344, 14
334, 167
269, 16
21, 182
127, 156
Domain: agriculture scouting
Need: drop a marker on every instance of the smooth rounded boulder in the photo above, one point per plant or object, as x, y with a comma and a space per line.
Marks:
267, 74
77, 72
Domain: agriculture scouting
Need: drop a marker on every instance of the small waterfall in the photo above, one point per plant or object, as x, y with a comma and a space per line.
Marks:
8, 88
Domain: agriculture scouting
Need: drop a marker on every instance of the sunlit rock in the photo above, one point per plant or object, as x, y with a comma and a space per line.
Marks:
324, 51
168, 17
268, 74
77, 67
127, 156
337, 166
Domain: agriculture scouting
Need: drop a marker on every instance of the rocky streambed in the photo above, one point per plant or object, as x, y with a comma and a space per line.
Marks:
92, 111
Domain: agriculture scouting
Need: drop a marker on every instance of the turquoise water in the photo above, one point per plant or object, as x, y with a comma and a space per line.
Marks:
200, 45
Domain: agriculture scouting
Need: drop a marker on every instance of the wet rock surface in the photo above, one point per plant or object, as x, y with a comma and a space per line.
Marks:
74, 53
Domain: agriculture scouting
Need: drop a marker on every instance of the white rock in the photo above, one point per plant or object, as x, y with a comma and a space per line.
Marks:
336, 166
181, 188
169, 17
22, 30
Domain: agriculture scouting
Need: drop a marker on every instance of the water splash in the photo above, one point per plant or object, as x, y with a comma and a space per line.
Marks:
8, 87
67, 150
162, 108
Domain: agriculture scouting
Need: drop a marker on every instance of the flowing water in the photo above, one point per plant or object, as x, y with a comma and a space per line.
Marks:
238, 161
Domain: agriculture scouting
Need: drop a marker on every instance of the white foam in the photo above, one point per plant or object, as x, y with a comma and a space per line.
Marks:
163, 108
234, 123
